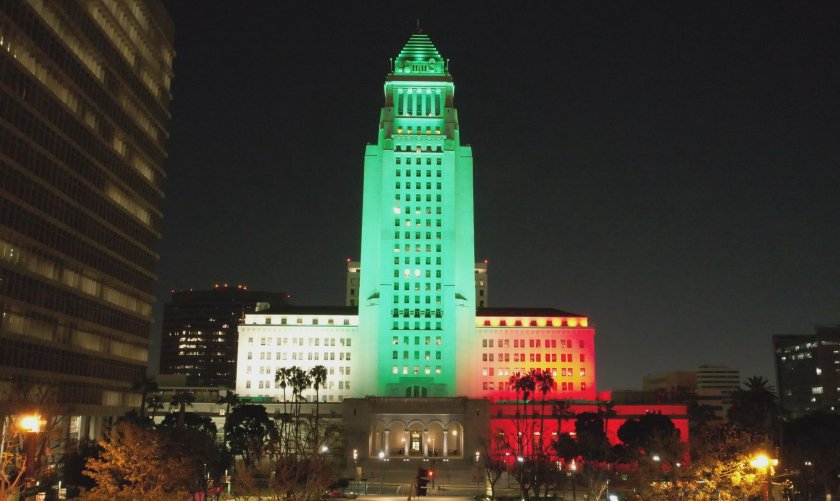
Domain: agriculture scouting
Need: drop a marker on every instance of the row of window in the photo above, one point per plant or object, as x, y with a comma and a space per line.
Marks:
51, 269
417, 286
67, 243
427, 340
405, 355
417, 313
46, 296
69, 184
314, 321
418, 235
299, 355
417, 185
562, 372
506, 386
416, 370
266, 385
532, 357
417, 260
91, 87
417, 198
418, 148
417, 326
418, 273
417, 248
82, 223
418, 161
78, 143
532, 343
419, 129
298, 341
54, 360
417, 299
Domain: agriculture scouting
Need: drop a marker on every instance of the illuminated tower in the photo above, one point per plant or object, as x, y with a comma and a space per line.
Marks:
417, 287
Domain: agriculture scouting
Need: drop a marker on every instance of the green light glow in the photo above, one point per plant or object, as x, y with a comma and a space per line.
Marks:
417, 290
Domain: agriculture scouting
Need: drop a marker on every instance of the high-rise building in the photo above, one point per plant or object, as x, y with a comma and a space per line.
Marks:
414, 327
418, 252
711, 385
200, 334
808, 371
84, 106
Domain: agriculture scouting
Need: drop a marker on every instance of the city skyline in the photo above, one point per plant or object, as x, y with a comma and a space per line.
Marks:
670, 161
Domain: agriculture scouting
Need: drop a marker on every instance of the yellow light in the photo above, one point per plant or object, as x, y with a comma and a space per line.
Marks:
556, 322
30, 423
573, 322
541, 322
584, 322
761, 461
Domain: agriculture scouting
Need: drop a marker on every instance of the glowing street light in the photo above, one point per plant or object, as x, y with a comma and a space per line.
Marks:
31, 424
763, 462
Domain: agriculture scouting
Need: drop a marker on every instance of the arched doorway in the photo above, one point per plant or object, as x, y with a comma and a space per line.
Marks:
435, 439
415, 438
377, 439
454, 437
396, 438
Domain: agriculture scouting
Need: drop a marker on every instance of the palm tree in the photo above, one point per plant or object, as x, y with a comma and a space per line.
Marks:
181, 399
228, 399
754, 407
144, 385
154, 404
545, 383
318, 375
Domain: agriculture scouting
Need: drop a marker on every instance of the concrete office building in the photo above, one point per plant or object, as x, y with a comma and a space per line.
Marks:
84, 108
808, 371
200, 336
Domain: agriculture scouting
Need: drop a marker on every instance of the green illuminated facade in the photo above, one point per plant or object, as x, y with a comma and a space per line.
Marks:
417, 288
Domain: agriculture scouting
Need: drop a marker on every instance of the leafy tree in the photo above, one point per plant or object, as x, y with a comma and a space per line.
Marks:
249, 431
182, 399
721, 468
754, 407
144, 385
190, 420
652, 433
135, 464
810, 447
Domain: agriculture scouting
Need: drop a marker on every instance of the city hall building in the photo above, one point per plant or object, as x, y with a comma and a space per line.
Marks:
418, 363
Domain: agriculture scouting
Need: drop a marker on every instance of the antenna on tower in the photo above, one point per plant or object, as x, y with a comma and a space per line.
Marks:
419, 29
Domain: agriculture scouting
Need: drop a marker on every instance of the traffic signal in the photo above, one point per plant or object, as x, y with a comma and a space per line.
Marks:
422, 481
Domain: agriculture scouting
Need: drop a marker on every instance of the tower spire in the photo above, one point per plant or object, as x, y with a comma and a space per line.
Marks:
419, 29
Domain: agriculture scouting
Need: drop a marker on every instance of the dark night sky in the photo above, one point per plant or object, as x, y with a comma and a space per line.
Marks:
668, 168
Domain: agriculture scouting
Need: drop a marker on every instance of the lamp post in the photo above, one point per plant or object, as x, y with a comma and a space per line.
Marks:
763, 462
573, 469
31, 426
382, 473
477, 457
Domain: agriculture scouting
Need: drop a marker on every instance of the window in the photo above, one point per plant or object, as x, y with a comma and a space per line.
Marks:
395, 355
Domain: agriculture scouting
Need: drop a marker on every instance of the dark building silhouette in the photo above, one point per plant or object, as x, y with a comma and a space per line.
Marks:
200, 332
84, 106
808, 371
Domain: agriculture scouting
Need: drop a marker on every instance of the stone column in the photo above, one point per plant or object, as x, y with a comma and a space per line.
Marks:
406, 442
425, 443
423, 98
445, 442
387, 443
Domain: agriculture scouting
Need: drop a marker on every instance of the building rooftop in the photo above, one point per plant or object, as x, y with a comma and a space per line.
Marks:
288, 309
524, 312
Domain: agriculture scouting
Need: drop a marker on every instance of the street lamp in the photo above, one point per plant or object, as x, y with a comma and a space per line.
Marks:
573, 468
477, 457
382, 473
763, 462
31, 426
